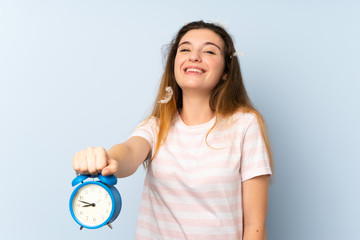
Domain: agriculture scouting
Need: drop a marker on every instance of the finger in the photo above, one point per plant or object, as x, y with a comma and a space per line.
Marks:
76, 162
101, 159
111, 168
83, 168
91, 162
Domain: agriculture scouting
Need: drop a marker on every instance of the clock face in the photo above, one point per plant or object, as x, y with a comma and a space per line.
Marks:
92, 205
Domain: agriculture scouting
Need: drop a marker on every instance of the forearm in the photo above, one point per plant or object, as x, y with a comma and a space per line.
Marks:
125, 160
254, 232
255, 199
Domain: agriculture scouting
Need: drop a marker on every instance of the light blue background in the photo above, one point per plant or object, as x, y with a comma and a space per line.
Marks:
75, 74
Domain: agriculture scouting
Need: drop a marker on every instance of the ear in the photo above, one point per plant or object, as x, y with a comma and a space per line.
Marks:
224, 77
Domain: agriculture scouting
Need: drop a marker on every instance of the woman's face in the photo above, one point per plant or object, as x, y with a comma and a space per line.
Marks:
199, 62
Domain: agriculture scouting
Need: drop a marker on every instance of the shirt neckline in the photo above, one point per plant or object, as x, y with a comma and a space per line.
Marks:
195, 128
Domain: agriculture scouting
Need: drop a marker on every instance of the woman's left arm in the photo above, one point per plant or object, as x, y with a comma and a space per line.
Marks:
255, 201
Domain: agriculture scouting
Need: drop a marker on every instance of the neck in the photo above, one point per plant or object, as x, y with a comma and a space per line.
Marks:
196, 110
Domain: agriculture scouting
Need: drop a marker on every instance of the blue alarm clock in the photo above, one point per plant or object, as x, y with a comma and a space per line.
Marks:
94, 204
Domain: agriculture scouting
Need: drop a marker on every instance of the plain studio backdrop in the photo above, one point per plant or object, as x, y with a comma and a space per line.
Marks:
77, 73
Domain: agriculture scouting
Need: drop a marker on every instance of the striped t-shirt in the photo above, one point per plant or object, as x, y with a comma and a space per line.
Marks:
192, 188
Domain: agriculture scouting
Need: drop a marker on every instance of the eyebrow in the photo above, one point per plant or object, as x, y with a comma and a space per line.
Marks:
206, 43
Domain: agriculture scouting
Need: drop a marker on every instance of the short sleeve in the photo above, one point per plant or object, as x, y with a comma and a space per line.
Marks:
147, 130
254, 156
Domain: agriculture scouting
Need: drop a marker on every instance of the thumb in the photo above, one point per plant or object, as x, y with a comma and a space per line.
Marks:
111, 168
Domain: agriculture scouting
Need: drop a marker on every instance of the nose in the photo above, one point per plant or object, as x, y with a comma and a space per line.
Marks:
194, 57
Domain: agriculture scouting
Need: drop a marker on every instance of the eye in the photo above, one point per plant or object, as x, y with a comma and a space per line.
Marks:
210, 52
184, 50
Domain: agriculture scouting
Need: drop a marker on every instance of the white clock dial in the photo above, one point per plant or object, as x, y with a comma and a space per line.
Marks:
92, 205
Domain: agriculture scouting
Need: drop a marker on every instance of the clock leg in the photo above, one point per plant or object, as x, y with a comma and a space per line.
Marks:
109, 224
81, 227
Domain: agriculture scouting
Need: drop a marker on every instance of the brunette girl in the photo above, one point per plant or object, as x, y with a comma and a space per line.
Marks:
204, 146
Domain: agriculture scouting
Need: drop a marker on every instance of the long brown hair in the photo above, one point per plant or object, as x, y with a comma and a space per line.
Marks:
227, 97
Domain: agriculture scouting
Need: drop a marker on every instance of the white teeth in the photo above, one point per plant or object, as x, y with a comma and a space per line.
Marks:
194, 70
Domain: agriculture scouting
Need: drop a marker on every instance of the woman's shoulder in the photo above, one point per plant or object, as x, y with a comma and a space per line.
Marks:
238, 122
150, 122
242, 115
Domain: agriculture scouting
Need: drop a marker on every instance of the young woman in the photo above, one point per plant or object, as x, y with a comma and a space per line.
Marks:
204, 146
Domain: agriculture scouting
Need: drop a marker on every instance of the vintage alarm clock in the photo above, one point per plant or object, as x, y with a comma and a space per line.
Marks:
94, 204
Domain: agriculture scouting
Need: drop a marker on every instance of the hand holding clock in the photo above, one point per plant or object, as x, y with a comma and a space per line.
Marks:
93, 161
121, 160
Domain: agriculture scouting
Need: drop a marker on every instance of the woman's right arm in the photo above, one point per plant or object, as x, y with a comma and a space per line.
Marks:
122, 160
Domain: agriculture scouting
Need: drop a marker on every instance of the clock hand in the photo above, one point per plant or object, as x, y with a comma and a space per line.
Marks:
84, 202
88, 205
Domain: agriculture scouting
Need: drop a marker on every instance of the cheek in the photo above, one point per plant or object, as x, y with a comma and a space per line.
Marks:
219, 67
177, 67
178, 62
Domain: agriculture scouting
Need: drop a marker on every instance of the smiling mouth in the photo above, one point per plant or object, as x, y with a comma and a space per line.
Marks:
195, 70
